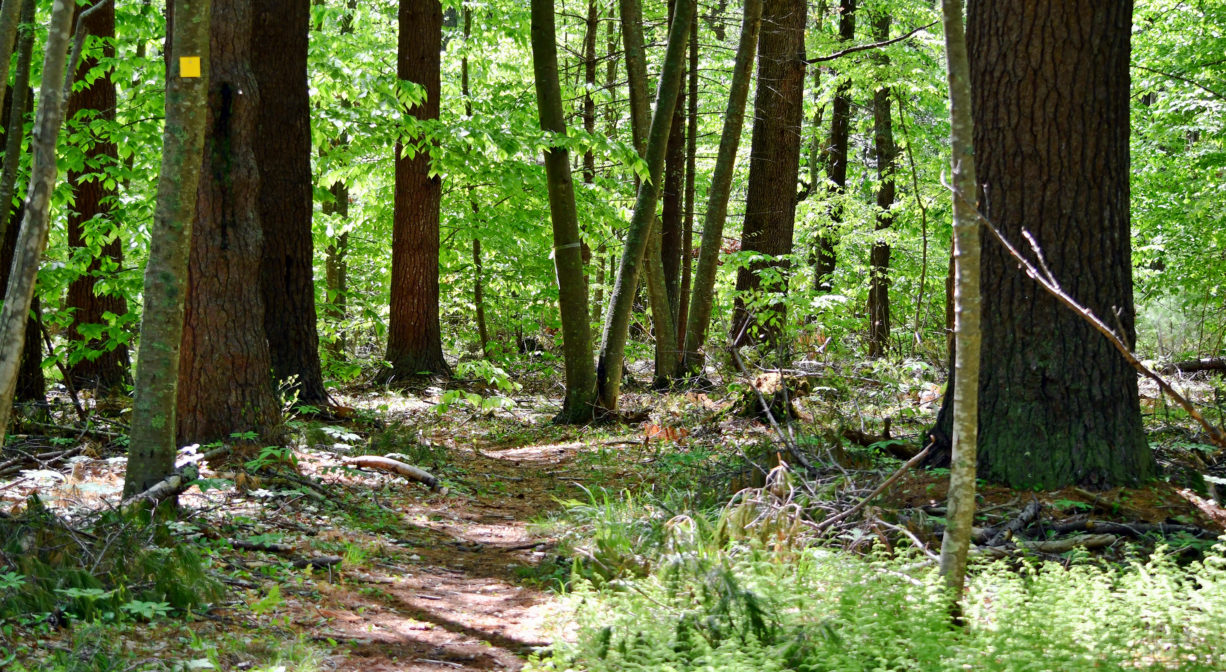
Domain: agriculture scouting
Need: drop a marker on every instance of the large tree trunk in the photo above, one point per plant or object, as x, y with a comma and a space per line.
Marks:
836, 156
774, 162
93, 200
1058, 405
32, 238
280, 34
617, 319
225, 384
151, 452
31, 384
578, 404
721, 186
414, 340
879, 258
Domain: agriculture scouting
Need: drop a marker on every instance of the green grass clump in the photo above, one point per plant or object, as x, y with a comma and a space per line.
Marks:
698, 603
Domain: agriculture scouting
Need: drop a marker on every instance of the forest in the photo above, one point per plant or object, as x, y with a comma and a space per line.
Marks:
612, 335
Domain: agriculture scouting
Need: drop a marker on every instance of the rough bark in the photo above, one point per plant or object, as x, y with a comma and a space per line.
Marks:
32, 239
580, 394
279, 40
963, 402
836, 157
774, 165
1058, 405
10, 12
17, 108
721, 186
886, 154
91, 211
31, 384
414, 344
617, 319
225, 385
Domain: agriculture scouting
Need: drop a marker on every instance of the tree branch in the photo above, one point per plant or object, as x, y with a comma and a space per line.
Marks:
866, 47
1185, 80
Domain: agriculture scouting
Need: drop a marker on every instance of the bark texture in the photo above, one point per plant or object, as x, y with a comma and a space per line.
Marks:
90, 216
836, 157
280, 33
31, 384
774, 162
886, 154
414, 343
151, 451
1050, 80
225, 381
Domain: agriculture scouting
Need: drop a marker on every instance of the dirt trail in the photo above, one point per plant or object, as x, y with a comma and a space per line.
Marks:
451, 598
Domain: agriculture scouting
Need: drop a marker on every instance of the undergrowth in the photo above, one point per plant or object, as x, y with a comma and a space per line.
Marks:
680, 593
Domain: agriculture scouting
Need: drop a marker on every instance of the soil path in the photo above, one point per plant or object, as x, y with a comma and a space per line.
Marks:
453, 595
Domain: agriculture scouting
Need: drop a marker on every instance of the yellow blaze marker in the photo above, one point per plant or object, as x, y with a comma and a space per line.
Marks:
189, 66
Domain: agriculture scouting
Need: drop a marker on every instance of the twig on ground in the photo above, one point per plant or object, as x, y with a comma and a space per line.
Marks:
877, 491
1027, 516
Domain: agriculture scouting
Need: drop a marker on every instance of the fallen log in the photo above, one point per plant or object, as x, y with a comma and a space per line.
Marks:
1086, 541
173, 485
1217, 364
394, 466
1132, 529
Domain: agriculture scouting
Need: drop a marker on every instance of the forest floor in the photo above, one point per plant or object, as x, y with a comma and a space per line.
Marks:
358, 570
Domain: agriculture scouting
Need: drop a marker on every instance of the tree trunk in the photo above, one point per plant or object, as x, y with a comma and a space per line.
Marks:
578, 404
31, 385
336, 269
774, 164
20, 105
151, 452
721, 187
92, 213
1058, 405
887, 153
617, 320
279, 39
32, 238
836, 157
640, 117
691, 166
10, 11
956, 541
478, 272
225, 385
414, 340
672, 199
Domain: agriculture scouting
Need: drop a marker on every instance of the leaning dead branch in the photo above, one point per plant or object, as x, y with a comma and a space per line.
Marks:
1026, 517
1042, 275
877, 491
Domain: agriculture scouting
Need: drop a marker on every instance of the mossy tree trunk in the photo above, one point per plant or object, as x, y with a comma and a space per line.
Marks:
152, 446
32, 239
578, 403
617, 318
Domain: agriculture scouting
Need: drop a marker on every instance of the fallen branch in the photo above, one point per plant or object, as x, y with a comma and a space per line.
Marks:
788, 443
1026, 517
173, 485
397, 467
265, 546
1132, 529
1086, 541
881, 488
